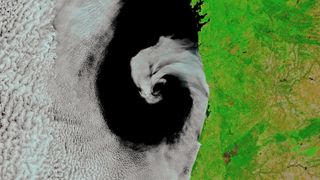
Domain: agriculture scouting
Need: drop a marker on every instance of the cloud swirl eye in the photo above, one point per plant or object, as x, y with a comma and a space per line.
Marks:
146, 108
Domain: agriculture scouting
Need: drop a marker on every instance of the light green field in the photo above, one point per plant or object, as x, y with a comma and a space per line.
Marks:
262, 62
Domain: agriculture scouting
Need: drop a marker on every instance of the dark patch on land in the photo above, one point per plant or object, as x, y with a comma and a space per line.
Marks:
208, 111
227, 156
283, 80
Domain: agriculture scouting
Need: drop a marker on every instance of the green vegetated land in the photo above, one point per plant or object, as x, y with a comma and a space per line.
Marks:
262, 63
